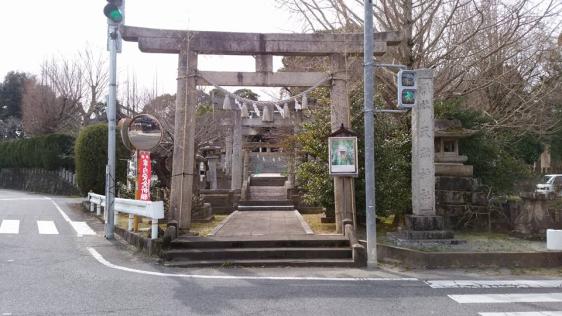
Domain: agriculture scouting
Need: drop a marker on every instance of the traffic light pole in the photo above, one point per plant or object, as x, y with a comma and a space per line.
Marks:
111, 114
369, 119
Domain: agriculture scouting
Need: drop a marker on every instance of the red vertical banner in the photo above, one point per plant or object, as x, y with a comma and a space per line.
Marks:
144, 175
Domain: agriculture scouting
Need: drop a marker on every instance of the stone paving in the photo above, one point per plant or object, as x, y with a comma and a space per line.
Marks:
263, 223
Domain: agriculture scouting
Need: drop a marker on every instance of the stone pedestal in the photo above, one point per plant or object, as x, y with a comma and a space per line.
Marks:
426, 227
534, 218
204, 214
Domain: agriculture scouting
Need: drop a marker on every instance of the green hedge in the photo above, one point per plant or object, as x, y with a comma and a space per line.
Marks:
49, 152
90, 155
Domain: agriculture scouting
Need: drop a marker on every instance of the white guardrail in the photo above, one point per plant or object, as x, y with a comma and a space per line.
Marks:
151, 209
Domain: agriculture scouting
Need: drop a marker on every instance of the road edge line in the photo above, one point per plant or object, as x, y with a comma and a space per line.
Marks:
108, 264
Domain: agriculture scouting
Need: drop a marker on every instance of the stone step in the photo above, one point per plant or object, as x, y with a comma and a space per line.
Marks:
268, 181
267, 203
240, 242
227, 254
267, 193
266, 207
263, 263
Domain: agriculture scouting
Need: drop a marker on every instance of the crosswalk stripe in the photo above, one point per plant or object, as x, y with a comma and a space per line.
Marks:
506, 298
493, 284
82, 228
47, 228
542, 313
10, 227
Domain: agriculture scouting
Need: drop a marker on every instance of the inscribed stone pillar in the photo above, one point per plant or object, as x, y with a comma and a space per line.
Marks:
246, 159
178, 160
236, 172
423, 169
228, 150
343, 186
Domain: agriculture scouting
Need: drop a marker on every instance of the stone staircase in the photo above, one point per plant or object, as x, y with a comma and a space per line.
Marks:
272, 246
301, 250
266, 193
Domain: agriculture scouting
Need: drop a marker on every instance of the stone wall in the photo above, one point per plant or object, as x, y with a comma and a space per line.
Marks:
222, 201
455, 196
36, 180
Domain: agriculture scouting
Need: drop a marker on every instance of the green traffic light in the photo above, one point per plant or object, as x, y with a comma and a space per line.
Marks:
116, 16
112, 12
408, 96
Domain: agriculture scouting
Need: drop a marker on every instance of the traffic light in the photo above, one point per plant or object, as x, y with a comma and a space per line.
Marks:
112, 11
406, 89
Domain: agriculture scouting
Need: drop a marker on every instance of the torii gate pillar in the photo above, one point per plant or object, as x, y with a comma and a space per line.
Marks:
184, 143
344, 188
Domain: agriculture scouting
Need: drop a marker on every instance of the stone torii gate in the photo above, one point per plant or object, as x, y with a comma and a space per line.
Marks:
189, 44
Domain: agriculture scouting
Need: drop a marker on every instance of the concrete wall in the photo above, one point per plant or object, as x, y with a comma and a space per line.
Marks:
36, 180
432, 260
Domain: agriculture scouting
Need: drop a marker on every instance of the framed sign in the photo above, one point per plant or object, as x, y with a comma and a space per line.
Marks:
343, 156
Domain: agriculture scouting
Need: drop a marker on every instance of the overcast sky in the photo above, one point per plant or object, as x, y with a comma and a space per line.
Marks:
33, 30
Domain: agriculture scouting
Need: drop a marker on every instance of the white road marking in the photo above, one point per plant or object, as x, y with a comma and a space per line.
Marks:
506, 298
108, 264
82, 228
545, 313
62, 213
10, 226
489, 284
22, 199
47, 228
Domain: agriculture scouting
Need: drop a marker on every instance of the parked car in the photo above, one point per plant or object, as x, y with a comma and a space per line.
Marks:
551, 185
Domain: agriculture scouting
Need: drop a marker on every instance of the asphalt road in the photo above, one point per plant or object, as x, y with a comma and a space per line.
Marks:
65, 271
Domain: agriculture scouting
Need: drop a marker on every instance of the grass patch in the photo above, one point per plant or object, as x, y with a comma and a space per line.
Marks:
204, 229
144, 224
201, 229
315, 223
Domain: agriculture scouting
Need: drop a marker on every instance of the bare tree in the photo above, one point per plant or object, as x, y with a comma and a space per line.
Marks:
44, 112
95, 78
64, 77
491, 52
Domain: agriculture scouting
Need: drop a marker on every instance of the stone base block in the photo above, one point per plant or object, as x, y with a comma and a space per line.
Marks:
425, 235
445, 183
325, 219
424, 223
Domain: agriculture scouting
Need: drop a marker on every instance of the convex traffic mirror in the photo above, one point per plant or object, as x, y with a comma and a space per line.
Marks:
144, 132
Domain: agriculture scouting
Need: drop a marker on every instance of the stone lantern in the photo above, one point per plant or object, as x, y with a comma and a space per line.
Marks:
212, 153
454, 183
448, 161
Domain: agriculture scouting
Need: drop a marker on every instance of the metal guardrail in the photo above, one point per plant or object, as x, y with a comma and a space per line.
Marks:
151, 209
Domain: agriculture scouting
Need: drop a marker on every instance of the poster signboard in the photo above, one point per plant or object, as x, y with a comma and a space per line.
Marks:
343, 156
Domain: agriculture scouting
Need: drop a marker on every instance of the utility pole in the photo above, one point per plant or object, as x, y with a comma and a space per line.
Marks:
114, 17
369, 119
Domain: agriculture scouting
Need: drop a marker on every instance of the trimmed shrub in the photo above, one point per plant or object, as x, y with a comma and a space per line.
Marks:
90, 155
49, 152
